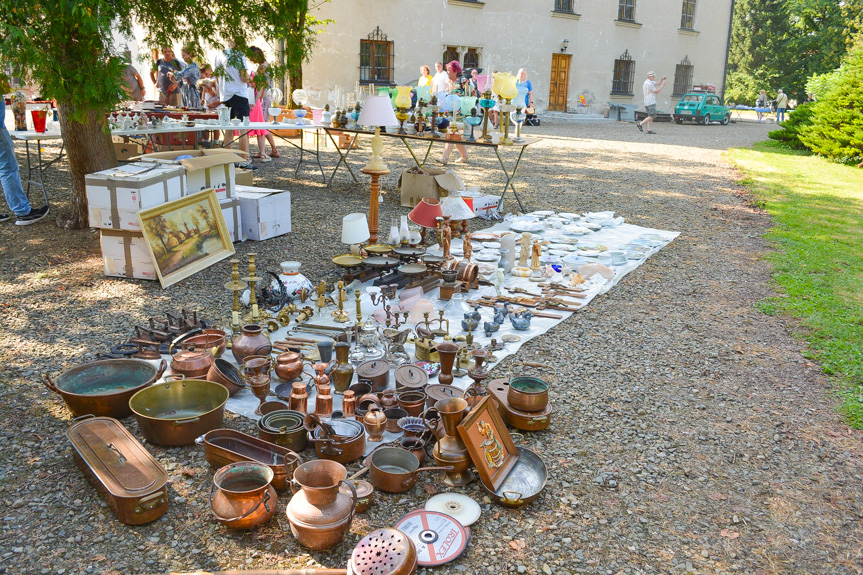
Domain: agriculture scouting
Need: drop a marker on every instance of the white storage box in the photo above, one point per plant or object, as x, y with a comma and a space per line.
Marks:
116, 195
125, 255
266, 213
484, 205
204, 170
233, 219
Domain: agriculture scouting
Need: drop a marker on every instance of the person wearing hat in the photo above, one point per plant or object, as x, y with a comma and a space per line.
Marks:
650, 91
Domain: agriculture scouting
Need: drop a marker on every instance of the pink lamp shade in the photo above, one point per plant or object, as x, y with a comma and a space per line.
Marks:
426, 213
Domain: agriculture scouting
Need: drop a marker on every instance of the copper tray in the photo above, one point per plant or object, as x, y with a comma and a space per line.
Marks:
523, 420
347, 260
378, 249
224, 446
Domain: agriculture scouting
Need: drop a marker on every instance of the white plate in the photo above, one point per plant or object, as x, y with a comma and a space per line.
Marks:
592, 226
576, 230
542, 213
590, 253
526, 227
570, 215
491, 245
558, 252
486, 257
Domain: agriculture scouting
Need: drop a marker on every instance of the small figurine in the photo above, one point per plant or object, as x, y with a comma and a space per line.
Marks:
446, 234
535, 252
498, 281
466, 246
548, 271
525, 249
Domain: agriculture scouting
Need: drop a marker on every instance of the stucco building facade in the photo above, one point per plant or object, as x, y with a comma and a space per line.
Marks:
579, 54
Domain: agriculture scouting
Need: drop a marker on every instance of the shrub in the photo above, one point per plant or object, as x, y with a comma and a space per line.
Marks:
836, 131
790, 130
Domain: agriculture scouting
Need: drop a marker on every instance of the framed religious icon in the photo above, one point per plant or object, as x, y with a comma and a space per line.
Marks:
185, 236
488, 442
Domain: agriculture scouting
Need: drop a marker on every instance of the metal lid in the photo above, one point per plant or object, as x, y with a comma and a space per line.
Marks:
410, 375
439, 391
372, 369
438, 537
385, 551
123, 465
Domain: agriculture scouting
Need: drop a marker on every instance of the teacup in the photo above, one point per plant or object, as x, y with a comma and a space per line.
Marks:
235, 121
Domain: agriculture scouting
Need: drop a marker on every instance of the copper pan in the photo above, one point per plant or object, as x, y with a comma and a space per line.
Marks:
396, 470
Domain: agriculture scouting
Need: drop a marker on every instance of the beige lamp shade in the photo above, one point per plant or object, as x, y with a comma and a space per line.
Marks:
355, 229
456, 208
377, 111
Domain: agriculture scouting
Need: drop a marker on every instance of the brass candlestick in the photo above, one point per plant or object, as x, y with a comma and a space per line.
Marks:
506, 110
255, 316
236, 286
324, 299
359, 307
341, 315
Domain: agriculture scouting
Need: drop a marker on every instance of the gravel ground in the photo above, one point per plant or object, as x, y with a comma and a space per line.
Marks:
689, 434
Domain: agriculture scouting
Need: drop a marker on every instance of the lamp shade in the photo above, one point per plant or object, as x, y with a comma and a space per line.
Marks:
377, 111
426, 213
504, 85
452, 102
468, 103
424, 94
355, 229
456, 208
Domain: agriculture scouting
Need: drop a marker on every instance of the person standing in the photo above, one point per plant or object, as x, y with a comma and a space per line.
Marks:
473, 83
162, 75
10, 179
650, 90
263, 102
522, 81
233, 88
761, 103
188, 78
133, 85
425, 76
457, 84
781, 104
440, 80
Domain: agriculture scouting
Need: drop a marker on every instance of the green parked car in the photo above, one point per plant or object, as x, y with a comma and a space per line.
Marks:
701, 107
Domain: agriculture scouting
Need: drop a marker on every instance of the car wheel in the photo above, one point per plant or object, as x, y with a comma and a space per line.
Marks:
726, 120
706, 120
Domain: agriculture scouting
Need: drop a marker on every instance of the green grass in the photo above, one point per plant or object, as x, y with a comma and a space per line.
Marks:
817, 207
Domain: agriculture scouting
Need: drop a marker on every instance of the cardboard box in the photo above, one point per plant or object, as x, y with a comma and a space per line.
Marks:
265, 213
342, 140
233, 219
125, 255
116, 195
204, 170
484, 206
244, 177
416, 184
125, 151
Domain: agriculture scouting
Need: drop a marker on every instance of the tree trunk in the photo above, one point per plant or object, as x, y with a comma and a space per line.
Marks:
295, 75
88, 146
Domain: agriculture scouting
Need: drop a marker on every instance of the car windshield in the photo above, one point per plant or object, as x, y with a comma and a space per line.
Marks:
691, 98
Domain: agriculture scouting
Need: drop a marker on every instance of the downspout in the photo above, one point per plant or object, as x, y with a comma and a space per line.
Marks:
727, 51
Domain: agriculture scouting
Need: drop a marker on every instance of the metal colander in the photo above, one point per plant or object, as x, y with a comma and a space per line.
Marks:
384, 552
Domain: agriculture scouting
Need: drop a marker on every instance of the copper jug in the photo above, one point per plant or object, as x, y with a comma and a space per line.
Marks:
244, 496
343, 374
253, 341
450, 449
319, 514
349, 403
375, 421
289, 365
320, 379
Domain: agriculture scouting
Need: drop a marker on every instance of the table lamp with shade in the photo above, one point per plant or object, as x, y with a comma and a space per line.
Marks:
355, 231
377, 111
505, 88
458, 211
425, 214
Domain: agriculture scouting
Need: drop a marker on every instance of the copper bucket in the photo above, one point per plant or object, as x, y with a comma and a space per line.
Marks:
245, 496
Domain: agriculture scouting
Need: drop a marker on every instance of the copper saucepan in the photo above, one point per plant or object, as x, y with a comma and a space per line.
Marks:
395, 470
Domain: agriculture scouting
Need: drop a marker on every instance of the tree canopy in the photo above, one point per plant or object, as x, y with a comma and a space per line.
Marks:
782, 43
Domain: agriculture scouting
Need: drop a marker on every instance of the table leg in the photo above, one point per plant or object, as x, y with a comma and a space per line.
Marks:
39, 168
343, 158
510, 177
301, 146
428, 151
410, 150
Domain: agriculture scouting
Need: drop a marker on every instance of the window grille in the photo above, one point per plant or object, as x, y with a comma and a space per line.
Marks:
624, 75
376, 59
682, 77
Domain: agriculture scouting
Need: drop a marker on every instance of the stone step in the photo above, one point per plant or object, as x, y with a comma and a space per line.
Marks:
570, 118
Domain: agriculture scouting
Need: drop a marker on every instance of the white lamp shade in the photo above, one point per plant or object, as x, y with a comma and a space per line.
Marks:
456, 208
355, 229
377, 111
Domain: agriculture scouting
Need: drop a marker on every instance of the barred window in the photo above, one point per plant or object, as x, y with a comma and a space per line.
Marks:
626, 10
564, 6
471, 59
682, 77
376, 59
450, 54
624, 75
687, 15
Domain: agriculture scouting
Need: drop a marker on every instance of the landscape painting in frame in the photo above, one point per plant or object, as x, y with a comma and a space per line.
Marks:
186, 236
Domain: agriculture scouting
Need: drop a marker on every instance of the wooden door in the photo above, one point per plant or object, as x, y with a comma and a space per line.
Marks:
559, 82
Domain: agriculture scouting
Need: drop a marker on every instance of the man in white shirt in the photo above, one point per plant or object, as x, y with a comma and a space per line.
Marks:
234, 88
439, 80
650, 91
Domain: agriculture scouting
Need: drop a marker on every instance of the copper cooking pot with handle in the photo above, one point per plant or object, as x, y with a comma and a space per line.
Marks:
396, 470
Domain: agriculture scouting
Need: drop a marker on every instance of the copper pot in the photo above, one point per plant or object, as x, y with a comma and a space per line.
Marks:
410, 376
252, 341
103, 388
284, 427
365, 490
318, 513
208, 339
395, 470
412, 401
388, 399
376, 372
224, 372
245, 497
527, 393
192, 363
346, 444
273, 405
289, 365
393, 415
415, 445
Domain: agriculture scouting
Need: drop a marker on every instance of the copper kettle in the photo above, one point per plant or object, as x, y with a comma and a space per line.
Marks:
192, 363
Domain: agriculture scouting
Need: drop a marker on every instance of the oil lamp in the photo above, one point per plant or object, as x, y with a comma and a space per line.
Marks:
402, 101
505, 88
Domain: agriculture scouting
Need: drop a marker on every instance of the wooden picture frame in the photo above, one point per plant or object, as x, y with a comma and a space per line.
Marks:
489, 443
185, 236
